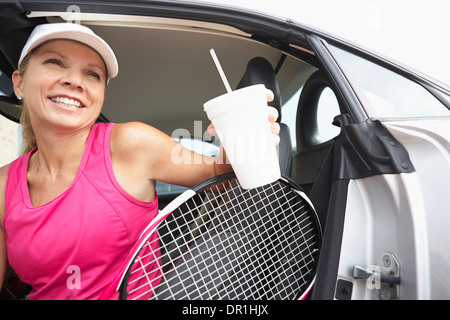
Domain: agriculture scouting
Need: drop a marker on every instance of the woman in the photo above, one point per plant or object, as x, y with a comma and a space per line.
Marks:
73, 205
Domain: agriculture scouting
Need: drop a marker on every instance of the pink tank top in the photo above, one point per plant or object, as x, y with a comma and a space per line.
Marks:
73, 246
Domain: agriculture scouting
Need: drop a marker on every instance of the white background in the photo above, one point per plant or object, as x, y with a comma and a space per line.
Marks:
415, 33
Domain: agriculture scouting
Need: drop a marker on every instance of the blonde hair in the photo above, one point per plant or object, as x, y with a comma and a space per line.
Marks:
28, 137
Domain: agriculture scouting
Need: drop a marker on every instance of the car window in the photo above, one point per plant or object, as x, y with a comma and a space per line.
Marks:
384, 93
9, 140
327, 109
6, 87
289, 116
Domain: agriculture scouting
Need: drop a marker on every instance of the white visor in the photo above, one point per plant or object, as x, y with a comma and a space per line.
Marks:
72, 31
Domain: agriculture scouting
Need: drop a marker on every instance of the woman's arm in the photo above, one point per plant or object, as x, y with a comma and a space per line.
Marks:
3, 259
141, 153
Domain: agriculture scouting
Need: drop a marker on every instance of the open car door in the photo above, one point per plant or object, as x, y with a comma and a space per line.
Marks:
382, 189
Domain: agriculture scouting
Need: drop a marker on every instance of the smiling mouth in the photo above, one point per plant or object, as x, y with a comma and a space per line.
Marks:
67, 102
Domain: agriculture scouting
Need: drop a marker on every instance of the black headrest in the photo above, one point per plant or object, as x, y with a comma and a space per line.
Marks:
260, 71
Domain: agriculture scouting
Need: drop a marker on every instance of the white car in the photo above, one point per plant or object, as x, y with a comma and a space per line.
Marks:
367, 139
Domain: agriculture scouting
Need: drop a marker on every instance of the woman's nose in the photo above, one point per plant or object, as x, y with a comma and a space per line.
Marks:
73, 79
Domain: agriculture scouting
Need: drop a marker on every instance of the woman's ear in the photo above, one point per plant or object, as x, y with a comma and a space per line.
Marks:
17, 80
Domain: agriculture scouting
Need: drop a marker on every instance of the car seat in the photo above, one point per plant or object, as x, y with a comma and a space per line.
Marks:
260, 71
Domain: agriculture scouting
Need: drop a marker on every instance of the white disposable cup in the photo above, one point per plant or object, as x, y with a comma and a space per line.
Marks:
240, 119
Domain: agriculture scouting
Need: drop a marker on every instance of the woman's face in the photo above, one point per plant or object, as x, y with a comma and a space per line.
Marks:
63, 85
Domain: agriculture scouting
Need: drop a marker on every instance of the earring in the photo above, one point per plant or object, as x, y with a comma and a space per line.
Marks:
19, 97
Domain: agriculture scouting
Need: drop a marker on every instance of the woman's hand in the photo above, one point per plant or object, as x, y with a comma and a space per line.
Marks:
273, 116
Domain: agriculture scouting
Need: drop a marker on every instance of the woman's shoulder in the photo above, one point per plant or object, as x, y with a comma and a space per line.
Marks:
135, 135
135, 128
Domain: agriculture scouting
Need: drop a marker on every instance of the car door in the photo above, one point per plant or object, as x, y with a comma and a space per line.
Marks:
381, 191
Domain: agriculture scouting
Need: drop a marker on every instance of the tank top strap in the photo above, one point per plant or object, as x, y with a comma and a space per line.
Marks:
97, 158
96, 145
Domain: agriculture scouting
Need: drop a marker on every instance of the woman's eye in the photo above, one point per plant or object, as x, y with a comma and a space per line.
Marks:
54, 62
94, 75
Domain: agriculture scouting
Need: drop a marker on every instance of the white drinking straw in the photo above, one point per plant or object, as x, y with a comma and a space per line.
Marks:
219, 68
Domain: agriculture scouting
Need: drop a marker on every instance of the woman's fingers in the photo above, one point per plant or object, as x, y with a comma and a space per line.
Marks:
273, 114
270, 95
211, 130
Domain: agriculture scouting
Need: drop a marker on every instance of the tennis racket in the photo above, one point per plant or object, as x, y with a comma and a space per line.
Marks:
219, 241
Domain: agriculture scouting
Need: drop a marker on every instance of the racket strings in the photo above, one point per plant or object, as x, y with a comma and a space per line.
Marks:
256, 244
193, 275
278, 249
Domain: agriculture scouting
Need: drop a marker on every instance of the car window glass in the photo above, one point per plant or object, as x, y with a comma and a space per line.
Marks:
384, 93
289, 116
327, 109
6, 87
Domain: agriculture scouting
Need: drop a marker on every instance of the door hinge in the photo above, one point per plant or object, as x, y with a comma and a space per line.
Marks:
383, 277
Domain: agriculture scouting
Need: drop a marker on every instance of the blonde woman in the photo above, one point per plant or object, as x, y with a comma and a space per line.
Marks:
73, 205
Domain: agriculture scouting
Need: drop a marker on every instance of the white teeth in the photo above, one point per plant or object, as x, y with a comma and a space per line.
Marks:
67, 102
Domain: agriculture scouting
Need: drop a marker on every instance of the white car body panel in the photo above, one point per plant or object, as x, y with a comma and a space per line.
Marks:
405, 214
